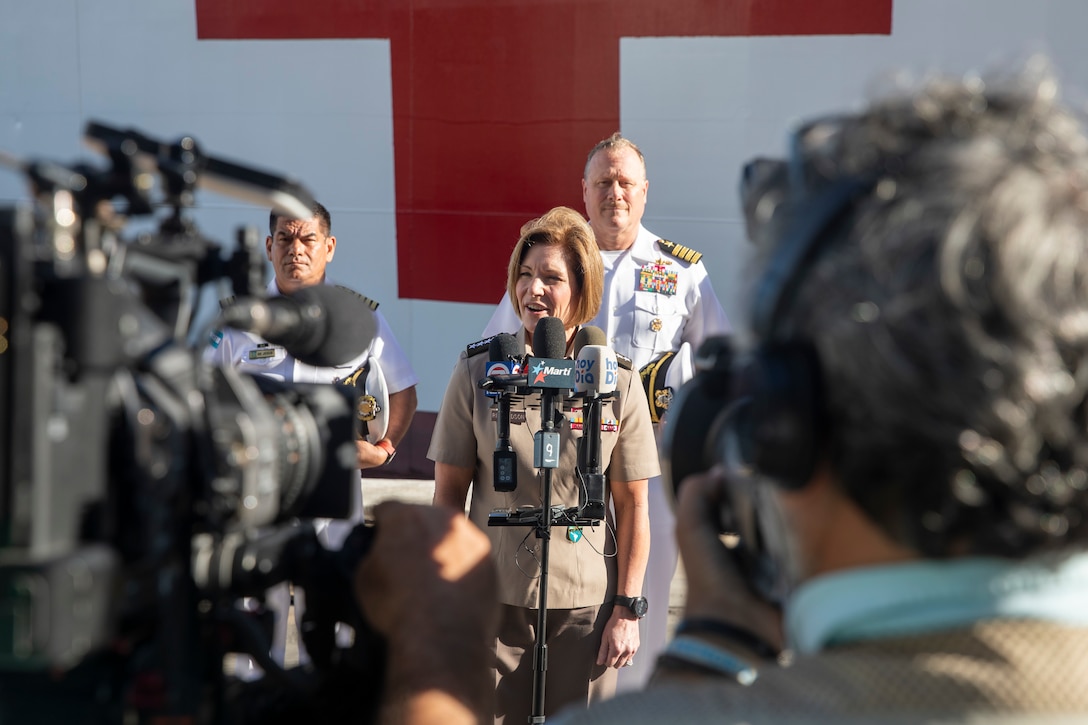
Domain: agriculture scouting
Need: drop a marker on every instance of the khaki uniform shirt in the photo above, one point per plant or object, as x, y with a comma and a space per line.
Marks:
582, 568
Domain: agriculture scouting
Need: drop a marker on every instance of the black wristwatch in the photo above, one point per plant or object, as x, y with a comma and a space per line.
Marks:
638, 605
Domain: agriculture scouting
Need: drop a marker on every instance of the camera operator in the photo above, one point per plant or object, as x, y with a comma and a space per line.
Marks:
922, 321
300, 250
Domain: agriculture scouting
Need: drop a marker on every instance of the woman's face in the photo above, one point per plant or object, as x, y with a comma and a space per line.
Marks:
545, 286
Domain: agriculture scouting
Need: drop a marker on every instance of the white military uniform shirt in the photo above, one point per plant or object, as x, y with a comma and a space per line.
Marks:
249, 353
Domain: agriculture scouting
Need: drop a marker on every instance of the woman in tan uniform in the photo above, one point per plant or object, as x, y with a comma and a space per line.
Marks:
555, 271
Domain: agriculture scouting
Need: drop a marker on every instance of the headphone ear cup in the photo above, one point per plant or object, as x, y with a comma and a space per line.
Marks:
782, 429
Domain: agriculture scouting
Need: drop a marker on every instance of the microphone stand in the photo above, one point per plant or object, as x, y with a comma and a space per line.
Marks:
546, 447
545, 456
544, 533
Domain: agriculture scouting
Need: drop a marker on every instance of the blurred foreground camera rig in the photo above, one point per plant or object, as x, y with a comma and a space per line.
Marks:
144, 493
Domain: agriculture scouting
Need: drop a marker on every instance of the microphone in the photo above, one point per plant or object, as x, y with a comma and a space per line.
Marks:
588, 335
322, 325
549, 372
550, 338
503, 352
503, 370
596, 375
547, 368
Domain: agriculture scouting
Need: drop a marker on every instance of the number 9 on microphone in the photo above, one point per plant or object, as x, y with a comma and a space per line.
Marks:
546, 449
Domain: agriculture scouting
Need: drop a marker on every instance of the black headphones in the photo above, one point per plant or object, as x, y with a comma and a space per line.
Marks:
764, 411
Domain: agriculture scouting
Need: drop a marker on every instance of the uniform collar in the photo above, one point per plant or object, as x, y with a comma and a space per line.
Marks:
273, 289
645, 248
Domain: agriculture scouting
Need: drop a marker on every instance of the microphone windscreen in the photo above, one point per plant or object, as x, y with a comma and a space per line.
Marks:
343, 326
549, 338
596, 370
504, 347
588, 335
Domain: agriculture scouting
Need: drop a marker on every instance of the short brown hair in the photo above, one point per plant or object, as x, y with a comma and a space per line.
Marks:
565, 228
613, 143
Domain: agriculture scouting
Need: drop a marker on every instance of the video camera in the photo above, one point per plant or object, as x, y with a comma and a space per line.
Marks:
143, 493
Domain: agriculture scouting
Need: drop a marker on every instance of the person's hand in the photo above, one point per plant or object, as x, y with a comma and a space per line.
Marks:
716, 586
427, 565
368, 455
428, 586
620, 641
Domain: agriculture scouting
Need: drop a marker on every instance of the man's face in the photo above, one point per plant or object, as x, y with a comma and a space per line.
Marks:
299, 251
614, 191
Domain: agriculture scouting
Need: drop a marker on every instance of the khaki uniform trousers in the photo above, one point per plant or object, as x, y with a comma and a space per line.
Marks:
573, 676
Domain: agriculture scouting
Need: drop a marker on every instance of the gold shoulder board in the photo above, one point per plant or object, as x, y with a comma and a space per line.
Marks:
684, 254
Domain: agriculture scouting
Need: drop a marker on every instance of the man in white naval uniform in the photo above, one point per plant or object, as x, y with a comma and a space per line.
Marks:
300, 250
658, 307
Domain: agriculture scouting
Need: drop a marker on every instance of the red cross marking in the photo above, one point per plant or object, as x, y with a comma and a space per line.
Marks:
495, 104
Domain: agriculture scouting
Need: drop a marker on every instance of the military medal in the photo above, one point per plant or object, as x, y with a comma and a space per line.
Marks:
656, 277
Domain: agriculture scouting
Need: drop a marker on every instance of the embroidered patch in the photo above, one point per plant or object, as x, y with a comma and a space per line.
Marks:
656, 277
215, 338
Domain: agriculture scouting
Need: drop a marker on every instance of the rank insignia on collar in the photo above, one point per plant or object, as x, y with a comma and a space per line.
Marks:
656, 277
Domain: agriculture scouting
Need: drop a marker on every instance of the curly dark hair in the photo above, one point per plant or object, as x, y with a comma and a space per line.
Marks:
950, 314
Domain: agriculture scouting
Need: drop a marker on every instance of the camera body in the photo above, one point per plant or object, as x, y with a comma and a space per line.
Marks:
143, 492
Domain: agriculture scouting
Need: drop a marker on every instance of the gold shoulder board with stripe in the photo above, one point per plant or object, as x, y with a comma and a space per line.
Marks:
475, 348
366, 300
685, 254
